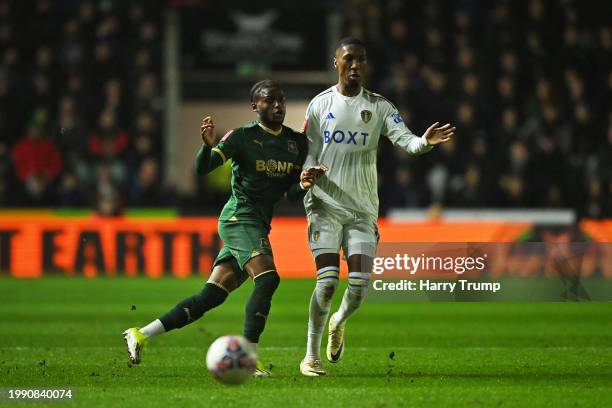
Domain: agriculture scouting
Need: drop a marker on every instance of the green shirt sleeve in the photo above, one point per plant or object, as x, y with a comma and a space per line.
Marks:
227, 147
208, 159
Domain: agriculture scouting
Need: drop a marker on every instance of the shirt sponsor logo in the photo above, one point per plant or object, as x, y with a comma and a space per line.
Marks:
274, 168
345, 137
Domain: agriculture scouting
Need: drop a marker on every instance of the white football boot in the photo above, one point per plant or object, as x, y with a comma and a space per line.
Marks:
335, 341
135, 342
312, 368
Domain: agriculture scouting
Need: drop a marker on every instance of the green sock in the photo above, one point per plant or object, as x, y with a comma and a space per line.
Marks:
192, 308
258, 307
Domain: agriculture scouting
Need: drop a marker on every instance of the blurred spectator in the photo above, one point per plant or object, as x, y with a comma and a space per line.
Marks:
37, 161
69, 126
147, 96
467, 190
104, 65
146, 189
108, 199
72, 50
69, 193
407, 192
108, 142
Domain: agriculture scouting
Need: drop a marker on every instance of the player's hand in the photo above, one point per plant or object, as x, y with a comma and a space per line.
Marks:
207, 131
439, 134
308, 178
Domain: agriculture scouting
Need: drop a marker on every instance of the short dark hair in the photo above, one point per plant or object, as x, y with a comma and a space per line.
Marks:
259, 86
349, 41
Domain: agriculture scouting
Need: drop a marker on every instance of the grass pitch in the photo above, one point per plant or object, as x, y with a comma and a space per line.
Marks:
58, 333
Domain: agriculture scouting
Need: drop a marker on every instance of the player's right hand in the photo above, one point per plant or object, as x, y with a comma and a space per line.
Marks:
309, 177
207, 131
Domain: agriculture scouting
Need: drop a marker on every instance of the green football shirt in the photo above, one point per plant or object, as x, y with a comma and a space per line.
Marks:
265, 165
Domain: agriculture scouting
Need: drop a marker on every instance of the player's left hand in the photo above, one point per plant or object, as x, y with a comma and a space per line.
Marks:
308, 178
207, 131
439, 134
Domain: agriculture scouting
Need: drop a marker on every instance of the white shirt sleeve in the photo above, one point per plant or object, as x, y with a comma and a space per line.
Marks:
313, 135
398, 133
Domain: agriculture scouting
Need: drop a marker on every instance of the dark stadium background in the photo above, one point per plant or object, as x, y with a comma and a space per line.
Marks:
85, 87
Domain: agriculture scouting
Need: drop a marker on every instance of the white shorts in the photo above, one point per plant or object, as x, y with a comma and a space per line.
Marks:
330, 229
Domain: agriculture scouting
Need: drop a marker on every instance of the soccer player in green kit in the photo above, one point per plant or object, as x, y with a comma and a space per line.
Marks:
267, 158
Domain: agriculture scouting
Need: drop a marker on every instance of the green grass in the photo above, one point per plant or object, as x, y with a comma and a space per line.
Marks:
58, 333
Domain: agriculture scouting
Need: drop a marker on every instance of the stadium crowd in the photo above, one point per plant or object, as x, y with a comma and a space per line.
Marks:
80, 104
527, 83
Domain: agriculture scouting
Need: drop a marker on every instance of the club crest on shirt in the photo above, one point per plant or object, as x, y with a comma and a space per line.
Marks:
366, 115
292, 146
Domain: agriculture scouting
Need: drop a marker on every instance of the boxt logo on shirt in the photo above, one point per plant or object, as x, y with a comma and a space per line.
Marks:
345, 137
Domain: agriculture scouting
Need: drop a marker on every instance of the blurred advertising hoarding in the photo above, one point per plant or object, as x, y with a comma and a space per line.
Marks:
32, 245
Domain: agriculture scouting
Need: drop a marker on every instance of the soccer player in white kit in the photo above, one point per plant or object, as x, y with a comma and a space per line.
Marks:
343, 125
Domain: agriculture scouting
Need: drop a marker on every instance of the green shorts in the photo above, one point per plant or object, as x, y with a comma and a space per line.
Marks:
241, 242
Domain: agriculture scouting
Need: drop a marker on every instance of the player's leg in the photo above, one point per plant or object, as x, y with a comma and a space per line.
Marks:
222, 281
251, 247
224, 278
266, 280
328, 267
324, 237
360, 239
359, 267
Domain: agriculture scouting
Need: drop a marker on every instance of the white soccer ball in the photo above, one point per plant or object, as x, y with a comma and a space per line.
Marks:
231, 359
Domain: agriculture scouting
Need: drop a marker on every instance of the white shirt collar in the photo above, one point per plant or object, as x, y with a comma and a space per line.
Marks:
348, 99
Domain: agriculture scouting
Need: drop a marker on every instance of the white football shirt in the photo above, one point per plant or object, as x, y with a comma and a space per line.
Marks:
343, 134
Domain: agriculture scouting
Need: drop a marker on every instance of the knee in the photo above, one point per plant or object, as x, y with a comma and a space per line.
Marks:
268, 281
327, 288
358, 283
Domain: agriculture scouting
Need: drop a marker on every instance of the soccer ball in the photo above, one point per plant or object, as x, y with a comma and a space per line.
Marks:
231, 359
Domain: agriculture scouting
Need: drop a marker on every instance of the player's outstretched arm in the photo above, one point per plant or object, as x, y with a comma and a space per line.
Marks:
436, 134
206, 158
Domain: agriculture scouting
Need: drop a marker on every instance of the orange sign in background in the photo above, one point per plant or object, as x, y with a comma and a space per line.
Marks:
33, 245
30, 246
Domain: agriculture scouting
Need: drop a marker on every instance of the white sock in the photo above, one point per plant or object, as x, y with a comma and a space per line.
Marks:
353, 296
320, 302
153, 329
254, 345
